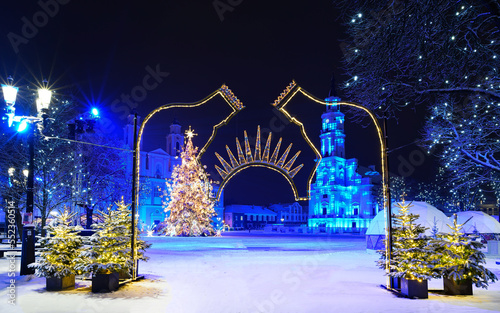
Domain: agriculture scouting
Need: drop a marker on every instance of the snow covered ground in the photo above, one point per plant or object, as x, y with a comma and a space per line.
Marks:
254, 273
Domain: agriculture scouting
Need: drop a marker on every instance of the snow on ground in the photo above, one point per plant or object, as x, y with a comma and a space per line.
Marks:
248, 273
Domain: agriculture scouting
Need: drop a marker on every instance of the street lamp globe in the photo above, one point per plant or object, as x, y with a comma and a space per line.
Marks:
43, 100
10, 94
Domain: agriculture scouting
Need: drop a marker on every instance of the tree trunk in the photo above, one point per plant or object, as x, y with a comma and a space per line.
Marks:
44, 221
89, 212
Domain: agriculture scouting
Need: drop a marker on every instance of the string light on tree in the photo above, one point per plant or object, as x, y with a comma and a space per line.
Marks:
190, 206
60, 248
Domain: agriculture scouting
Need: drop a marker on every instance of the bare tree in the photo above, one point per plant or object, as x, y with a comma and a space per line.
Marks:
52, 161
100, 168
440, 54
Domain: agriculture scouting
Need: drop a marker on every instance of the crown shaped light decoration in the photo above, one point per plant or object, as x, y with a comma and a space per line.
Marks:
258, 158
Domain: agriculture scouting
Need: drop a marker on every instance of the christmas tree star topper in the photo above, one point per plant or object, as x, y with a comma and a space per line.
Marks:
190, 132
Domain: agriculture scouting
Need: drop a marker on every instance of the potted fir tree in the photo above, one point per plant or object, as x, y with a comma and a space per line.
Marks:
410, 261
109, 252
59, 251
459, 261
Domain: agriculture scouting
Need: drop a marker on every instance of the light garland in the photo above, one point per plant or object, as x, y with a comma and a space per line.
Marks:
244, 162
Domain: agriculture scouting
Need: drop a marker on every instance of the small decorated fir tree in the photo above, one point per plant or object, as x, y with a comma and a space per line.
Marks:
411, 248
110, 245
59, 249
191, 209
459, 257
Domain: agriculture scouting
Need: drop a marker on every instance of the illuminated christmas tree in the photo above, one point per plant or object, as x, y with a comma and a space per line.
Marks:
191, 209
459, 257
59, 249
111, 243
411, 248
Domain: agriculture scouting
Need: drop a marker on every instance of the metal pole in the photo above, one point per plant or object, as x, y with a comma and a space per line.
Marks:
388, 205
31, 169
134, 182
28, 240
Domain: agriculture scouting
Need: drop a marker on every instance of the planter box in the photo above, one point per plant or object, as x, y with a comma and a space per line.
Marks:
55, 284
414, 288
396, 282
105, 282
461, 287
124, 274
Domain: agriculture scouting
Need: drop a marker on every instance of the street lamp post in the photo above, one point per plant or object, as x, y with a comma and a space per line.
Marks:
42, 104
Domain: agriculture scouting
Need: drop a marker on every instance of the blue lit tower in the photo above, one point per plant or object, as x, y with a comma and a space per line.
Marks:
332, 131
341, 199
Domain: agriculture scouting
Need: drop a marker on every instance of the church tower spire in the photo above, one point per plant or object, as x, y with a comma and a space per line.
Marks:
175, 140
332, 131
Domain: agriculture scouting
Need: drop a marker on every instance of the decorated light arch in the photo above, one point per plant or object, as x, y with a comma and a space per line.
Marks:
226, 94
280, 103
247, 160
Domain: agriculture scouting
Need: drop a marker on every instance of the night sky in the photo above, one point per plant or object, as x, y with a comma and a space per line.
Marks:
105, 49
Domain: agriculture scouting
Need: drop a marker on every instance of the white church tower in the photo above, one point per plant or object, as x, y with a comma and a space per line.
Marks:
175, 139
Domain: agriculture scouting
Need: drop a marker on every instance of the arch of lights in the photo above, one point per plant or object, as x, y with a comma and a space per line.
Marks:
226, 94
247, 160
280, 103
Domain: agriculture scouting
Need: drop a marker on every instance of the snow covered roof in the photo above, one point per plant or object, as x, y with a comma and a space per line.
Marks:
248, 209
159, 151
480, 221
427, 215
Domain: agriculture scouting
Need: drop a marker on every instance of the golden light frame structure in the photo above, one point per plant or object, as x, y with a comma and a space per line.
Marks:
258, 158
280, 103
234, 103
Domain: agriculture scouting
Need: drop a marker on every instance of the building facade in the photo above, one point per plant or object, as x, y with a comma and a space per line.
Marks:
341, 199
240, 216
290, 214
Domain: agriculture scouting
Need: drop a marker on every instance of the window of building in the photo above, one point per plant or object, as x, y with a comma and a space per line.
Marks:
325, 196
355, 211
157, 192
158, 171
353, 224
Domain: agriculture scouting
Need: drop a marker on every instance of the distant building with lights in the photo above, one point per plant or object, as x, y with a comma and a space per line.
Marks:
290, 214
155, 168
341, 199
241, 216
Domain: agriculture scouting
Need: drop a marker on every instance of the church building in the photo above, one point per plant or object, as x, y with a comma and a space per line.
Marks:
341, 199
155, 167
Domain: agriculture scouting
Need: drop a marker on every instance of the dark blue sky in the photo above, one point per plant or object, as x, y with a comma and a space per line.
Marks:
121, 54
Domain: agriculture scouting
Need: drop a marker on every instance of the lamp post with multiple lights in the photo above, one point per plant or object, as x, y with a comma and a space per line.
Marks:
42, 104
